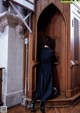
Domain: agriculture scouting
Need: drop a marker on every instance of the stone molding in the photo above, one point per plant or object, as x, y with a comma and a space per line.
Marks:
13, 98
10, 19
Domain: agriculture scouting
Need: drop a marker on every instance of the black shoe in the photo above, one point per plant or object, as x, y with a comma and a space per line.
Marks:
42, 110
32, 106
42, 106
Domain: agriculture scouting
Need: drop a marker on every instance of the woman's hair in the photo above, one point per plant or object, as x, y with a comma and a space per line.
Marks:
47, 40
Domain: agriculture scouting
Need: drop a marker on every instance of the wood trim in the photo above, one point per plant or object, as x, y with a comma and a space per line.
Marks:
72, 92
30, 64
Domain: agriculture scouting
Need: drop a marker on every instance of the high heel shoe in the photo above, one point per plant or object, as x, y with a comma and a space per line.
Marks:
42, 106
32, 106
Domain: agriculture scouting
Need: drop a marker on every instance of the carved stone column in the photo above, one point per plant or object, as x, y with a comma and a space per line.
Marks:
11, 58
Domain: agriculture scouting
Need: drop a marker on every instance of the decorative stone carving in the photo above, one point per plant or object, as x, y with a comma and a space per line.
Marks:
19, 29
10, 19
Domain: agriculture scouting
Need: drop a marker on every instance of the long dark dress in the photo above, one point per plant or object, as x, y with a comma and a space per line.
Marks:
45, 74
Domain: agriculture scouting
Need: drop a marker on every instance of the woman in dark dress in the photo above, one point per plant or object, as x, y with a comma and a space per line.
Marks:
45, 86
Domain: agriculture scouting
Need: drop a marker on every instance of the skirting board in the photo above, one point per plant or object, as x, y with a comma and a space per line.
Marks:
13, 99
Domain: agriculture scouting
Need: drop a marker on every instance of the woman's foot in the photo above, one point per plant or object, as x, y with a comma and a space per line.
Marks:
42, 106
32, 106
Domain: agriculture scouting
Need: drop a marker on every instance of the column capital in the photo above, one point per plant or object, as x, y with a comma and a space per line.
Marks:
9, 19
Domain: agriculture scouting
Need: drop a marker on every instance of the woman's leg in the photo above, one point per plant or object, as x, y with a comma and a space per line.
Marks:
42, 106
37, 95
32, 105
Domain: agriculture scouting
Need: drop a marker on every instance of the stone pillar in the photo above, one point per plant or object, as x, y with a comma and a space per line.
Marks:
11, 58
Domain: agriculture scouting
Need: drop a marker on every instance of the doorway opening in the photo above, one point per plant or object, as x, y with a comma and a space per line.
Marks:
51, 23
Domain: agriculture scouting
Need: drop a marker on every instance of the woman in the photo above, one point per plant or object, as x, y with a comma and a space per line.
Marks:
45, 73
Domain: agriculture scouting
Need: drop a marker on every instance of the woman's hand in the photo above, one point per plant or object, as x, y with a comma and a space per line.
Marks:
34, 63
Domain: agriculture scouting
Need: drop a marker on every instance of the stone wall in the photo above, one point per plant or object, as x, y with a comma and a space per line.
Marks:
11, 58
